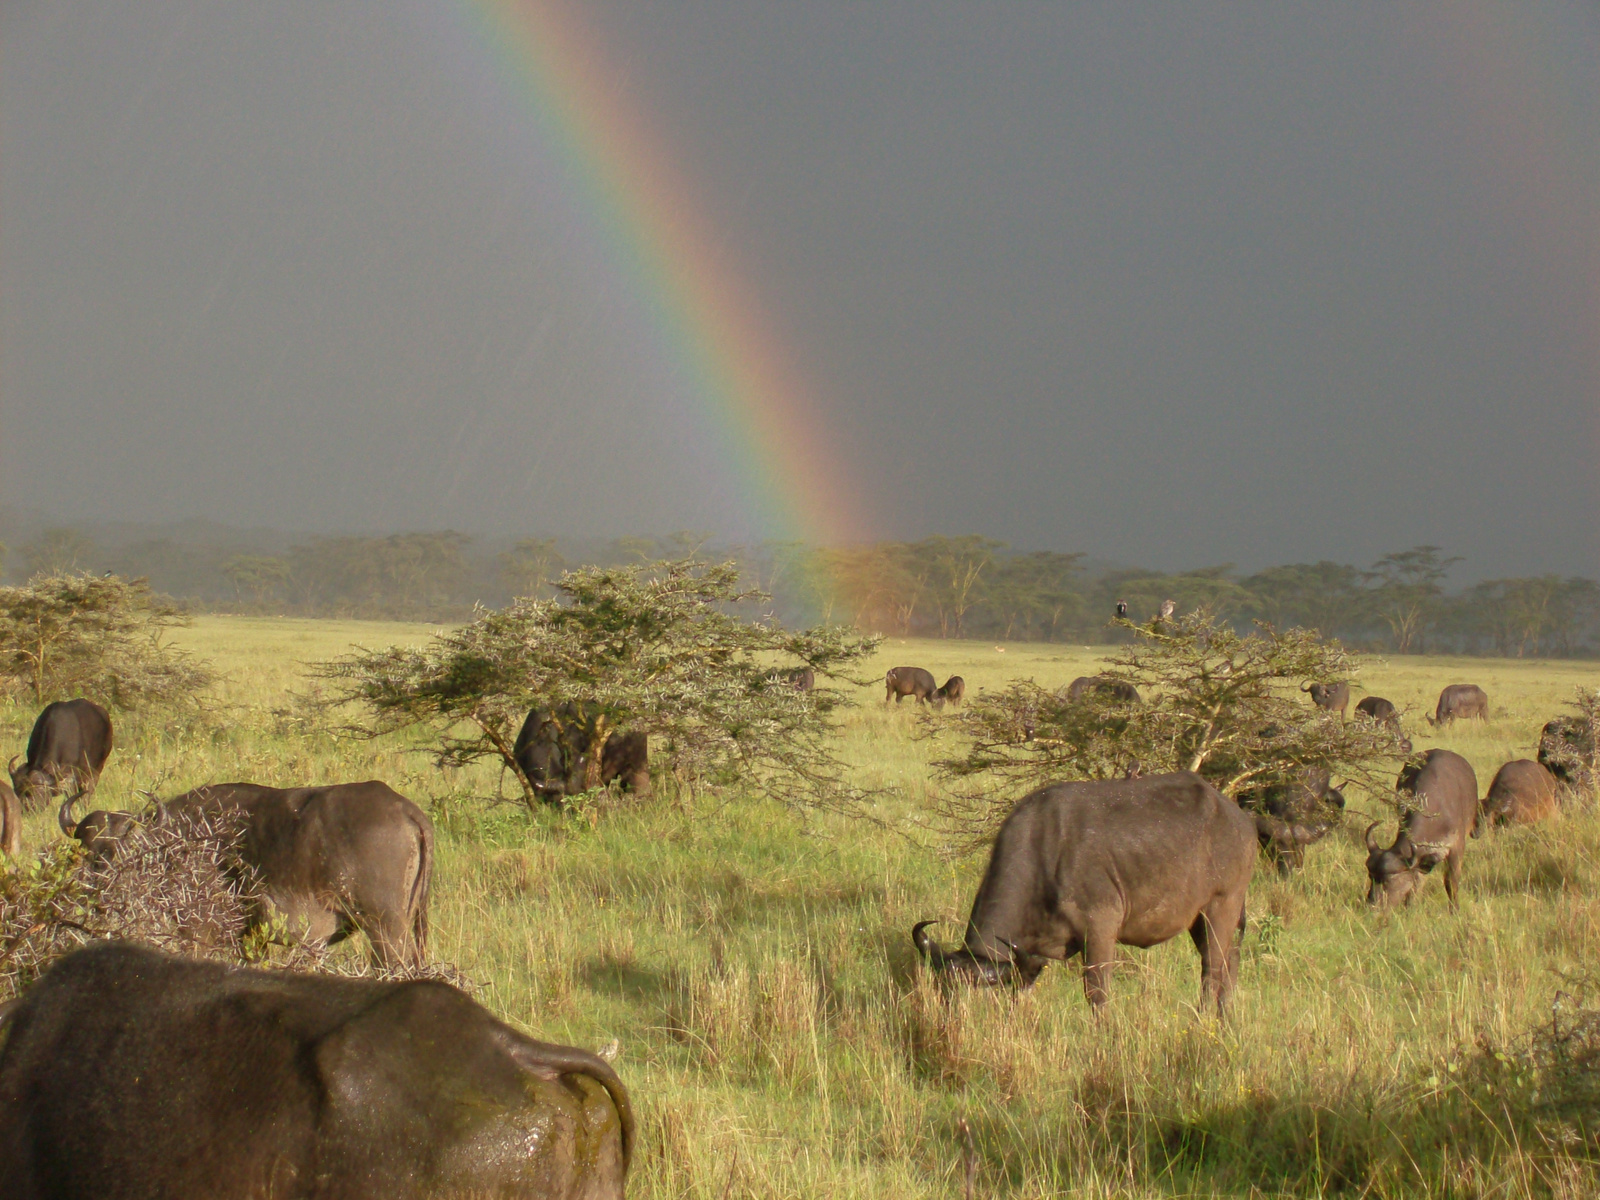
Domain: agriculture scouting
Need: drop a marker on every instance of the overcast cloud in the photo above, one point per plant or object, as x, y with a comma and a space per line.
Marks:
1172, 284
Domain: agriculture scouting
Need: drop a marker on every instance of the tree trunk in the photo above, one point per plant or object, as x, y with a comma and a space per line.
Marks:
597, 746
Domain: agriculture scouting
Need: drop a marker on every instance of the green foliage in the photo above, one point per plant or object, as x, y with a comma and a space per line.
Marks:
1224, 704
104, 638
650, 647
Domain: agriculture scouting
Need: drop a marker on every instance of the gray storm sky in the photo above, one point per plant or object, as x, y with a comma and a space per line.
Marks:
1171, 284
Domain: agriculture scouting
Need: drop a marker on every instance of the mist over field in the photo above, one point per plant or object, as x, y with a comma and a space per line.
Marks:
1169, 288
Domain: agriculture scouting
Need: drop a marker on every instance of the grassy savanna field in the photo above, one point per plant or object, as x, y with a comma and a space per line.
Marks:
778, 1041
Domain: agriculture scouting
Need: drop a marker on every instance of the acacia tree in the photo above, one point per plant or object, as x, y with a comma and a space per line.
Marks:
1406, 587
1224, 704
648, 647
100, 637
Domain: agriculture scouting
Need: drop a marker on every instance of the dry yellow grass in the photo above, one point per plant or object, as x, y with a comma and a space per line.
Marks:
780, 1042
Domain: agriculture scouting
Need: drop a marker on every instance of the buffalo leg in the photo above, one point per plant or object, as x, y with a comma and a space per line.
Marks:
392, 942
1099, 952
1215, 937
1452, 876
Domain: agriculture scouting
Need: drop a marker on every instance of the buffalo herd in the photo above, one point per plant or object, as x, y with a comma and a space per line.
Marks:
125, 1072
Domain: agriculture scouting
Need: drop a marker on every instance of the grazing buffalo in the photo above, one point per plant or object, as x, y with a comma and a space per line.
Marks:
131, 1075
900, 682
801, 679
1522, 793
1294, 814
1461, 701
10, 822
1383, 712
1102, 685
1566, 750
1441, 813
68, 748
1080, 867
954, 690
332, 860
1330, 697
552, 752
101, 833
1379, 710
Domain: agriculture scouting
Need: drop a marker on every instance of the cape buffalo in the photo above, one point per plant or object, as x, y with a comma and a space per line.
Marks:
801, 679
68, 748
10, 822
1330, 697
101, 833
131, 1075
1294, 814
332, 860
954, 689
1566, 750
900, 682
1441, 813
1080, 867
1101, 685
1383, 712
1461, 700
551, 750
1522, 793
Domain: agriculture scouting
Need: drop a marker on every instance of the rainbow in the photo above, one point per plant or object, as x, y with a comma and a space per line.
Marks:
752, 397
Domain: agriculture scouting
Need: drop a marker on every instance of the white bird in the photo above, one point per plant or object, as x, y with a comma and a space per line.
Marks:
1168, 607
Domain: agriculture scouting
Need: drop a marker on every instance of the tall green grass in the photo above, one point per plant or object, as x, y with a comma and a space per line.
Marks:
780, 1042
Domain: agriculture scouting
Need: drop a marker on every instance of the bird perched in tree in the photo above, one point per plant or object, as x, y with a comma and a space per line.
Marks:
1168, 607
1122, 610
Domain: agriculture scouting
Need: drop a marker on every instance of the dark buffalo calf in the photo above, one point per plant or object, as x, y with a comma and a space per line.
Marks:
1441, 813
101, 833
801, 679
1080, 867
68, 748
1382, 712
130, 1075
1101, 685
1461, 701
1522, 793
1376, 708
954, 689
1330, 697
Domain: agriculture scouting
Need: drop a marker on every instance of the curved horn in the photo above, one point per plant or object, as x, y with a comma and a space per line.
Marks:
1306, 687
927, 947
64, 815
12, 765
1372, 842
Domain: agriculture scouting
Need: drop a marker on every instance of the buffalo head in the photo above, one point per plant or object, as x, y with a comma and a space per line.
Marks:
1020, 970
34, 787
1394, 871
1285, 841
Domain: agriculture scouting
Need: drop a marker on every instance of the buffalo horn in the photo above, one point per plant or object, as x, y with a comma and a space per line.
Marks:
926, 946
1372, 842
12, 765
64, 815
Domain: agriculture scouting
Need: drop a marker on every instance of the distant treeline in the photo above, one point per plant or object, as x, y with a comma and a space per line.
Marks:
969, 587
